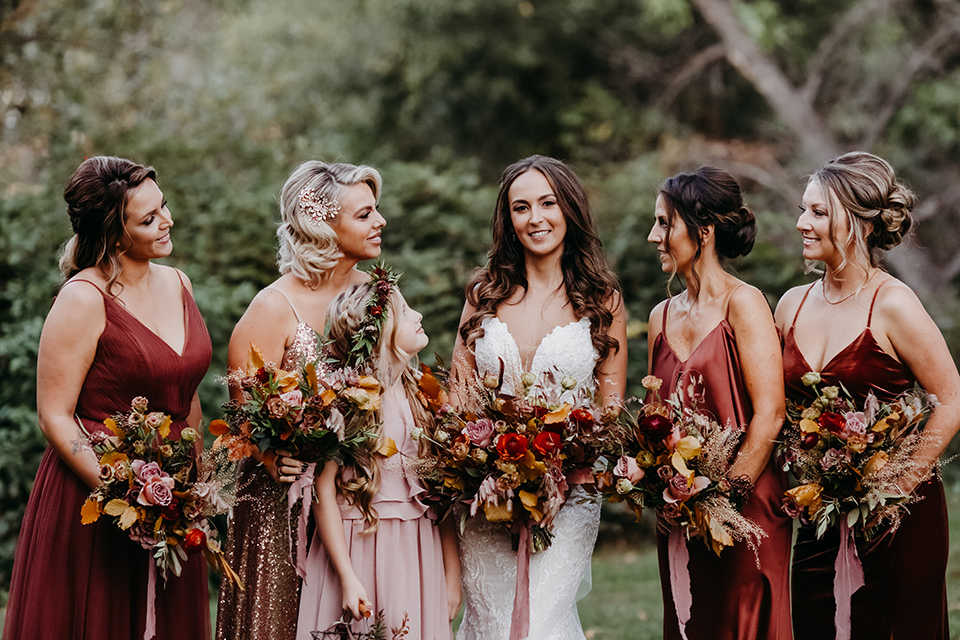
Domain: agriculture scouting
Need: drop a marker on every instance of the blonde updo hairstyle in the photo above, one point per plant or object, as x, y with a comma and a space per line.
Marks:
309, 249
96, 196
347, 314
864, 189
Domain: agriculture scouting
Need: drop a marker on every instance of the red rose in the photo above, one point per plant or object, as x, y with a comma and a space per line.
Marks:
832, 422
376, 310
582, 416
262, 375
195, 541
810, 440
547, 443
171, 511
511, 446
655, 426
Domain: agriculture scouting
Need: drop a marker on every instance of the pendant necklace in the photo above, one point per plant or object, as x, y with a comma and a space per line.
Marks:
823, 285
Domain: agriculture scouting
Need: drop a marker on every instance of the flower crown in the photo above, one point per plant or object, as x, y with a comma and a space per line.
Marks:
383, 280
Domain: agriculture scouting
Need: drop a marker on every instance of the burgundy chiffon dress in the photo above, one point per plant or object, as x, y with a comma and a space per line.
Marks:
904, 572
89, 582
732, 598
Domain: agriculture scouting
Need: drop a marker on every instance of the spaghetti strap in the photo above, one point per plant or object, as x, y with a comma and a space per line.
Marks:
290, 302
90, 282
873, 302
797, 314
663, 323
726, 315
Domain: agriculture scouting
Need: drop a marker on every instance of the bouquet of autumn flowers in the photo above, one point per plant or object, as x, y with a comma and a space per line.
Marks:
155, 487
511, 459
675, 459
305, 413
848, 459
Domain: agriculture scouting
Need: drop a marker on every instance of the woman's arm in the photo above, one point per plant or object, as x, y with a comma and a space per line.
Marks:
463, 368
761, 363
326, 511
612, 372
451, 566
918, 343
267, 324
68, 344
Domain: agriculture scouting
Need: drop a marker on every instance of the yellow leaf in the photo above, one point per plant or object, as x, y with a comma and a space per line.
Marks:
254, 360
311, 372
497, 512
388, 447
719, 538
681, 466
328, 396
688, 447
90, 511
111, 425
115, 507
287, 381
530, 502
129, 517
112, 457
809, 426
559, 415
164, 429
882, 424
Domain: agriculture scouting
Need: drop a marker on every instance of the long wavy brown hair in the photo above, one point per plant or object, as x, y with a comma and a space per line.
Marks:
346, 315
588, 281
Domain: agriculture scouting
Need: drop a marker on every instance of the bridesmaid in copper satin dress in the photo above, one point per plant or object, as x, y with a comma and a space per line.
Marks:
329, 224
879, 339
721, 328
109, 337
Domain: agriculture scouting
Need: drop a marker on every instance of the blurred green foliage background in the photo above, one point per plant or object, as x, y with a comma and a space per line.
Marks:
226, 97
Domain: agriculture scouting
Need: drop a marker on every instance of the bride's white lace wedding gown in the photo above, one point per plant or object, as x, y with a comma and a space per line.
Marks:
489, 565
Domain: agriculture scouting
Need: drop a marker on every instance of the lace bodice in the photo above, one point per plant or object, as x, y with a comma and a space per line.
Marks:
567, 351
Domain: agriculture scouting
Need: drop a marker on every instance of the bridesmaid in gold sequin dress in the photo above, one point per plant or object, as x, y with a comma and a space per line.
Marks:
329, 223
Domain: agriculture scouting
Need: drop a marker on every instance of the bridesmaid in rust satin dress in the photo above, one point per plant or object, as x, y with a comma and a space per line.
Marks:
722, 329
329, 224
109, 337
880, 339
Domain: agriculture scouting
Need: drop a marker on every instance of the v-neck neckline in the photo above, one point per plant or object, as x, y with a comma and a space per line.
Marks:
186, 324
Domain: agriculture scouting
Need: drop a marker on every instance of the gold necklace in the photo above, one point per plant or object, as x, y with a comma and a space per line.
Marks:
823, 285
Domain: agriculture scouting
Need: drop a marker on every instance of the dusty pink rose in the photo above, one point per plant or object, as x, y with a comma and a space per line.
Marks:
139, 404
158, 491
628, 468
856, 422
292, 398
479, 432
276, 407
146, 471
154, 419
678, 490
106, 473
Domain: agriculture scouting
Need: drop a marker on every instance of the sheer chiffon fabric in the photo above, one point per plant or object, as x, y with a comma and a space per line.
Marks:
89, 582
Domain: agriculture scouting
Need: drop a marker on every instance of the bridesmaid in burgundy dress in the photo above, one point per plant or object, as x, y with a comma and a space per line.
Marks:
109, 337
879, 339
722, 329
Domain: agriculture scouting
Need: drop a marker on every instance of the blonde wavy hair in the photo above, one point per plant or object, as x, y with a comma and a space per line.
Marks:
863, 189
347, 314
310, 249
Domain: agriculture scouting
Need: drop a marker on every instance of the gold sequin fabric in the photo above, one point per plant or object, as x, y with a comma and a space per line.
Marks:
258, 542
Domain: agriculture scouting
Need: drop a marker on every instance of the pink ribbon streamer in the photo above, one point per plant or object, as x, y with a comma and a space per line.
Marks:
679, 558
520, 620
847, 579
300, 489
150, 630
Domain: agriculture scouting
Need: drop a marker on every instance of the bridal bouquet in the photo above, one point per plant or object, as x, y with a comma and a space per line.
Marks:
155, 487
675, 459
307, 414
511, 459
849, 459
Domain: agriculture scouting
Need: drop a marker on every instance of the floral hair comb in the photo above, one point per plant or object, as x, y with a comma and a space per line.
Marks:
319, 208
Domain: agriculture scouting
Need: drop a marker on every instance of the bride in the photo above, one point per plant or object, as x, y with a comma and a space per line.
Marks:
546, 301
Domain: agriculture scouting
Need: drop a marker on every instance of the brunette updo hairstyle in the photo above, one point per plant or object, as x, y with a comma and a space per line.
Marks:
587, 279
96, 196
876, 205
710, 196
309, 249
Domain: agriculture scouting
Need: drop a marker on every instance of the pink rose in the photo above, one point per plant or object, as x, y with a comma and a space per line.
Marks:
146, 471
139, 404
856, 422
479, 432
628, 468
679, 491
154, 419
292, 398
158, 491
